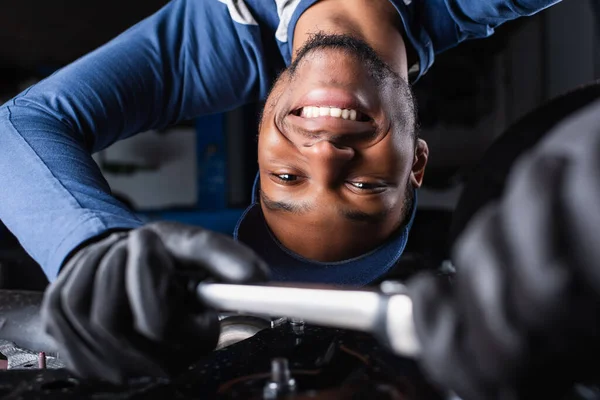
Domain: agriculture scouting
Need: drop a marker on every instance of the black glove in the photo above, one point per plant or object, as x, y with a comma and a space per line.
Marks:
522, 320
122, 306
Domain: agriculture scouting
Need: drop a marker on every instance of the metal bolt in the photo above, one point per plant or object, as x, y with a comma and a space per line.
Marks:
281, 380
392, 287
280, 372
278, 322
297, 326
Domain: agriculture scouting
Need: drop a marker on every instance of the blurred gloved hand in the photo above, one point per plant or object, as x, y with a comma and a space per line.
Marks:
122, 306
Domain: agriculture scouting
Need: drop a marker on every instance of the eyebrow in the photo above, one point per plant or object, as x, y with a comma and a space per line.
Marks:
292, 207
301, 208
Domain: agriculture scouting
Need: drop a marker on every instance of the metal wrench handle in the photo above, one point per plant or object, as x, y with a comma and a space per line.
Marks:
348, 309
389, 317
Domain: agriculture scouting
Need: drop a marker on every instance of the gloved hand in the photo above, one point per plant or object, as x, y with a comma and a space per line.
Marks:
122, 306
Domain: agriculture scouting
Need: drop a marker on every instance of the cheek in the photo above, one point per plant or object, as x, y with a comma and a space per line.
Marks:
271, 143
277, 93
270, 139
396, 206
393, 156
392, 202
402, 151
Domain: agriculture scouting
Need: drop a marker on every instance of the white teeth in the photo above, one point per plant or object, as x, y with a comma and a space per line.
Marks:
335, 112
353, 115
315, 112
309, 112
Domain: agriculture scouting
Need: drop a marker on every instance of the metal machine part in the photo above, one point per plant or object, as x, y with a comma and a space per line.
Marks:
281, 383
234, 329
389, 317
297, 326
392, 287
20, 358
238, 327
20, 320
327, 364
324, 363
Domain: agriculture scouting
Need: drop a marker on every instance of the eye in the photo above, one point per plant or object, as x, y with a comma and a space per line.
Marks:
367, 187
285, 178
362, 185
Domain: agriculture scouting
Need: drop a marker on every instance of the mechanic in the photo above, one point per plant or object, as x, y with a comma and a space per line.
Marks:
339, 161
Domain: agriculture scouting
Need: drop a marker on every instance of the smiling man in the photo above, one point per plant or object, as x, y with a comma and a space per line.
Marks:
339, 161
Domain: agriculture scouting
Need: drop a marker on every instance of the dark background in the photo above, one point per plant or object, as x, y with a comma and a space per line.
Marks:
35, 32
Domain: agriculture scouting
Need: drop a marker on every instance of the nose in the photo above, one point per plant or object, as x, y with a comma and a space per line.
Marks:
328, 160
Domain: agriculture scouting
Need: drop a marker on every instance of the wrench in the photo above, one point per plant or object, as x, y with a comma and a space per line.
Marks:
388, 316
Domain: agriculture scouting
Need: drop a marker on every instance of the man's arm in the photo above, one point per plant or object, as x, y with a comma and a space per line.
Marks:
524, 317
434, 26
190, 58
450, 22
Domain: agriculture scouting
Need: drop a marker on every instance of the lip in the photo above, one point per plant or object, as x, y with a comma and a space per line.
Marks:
331, 125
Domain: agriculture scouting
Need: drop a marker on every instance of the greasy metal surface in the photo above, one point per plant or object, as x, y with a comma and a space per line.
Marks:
20, 320
235, 328
20, 358
325, 363
14, 299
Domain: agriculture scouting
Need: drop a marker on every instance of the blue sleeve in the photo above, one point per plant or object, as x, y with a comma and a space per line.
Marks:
190, 58
433, 26
450, 22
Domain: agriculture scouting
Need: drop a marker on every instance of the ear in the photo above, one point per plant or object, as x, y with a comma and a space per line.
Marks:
418, 168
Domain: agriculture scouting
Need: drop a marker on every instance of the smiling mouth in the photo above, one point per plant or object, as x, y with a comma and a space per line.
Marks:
331, 112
